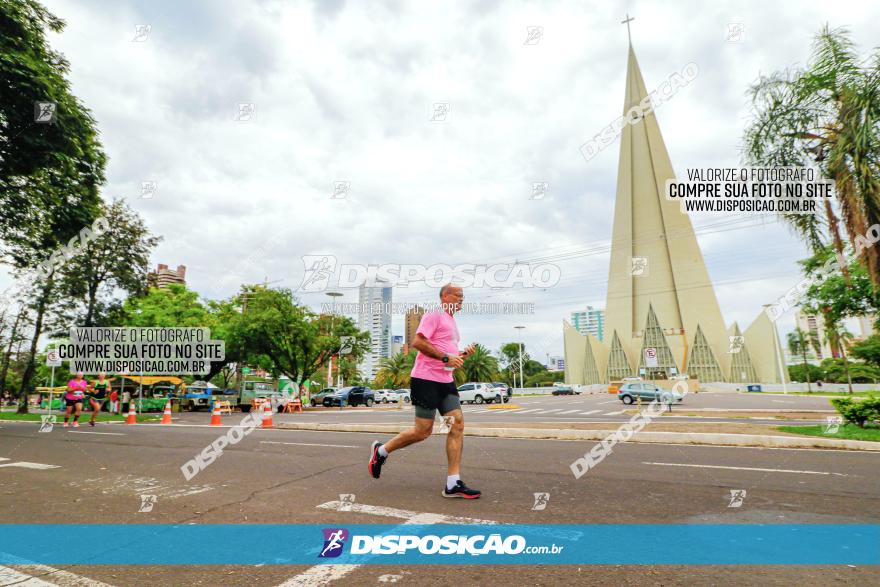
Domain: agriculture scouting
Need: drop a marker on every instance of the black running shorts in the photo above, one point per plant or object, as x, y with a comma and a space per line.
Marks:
429, 396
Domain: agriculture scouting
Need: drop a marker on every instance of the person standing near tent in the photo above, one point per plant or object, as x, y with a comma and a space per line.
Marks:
98, 395
76, 390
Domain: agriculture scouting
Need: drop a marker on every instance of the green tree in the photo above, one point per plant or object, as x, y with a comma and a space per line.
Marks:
800, 343
394, 371
868, 350
480, 365
51, 172
826, 116
295, 340
117, 259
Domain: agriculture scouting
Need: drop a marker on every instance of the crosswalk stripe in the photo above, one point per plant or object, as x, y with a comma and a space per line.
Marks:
527, 411
590, 412
569, 412
27, 465
613, 413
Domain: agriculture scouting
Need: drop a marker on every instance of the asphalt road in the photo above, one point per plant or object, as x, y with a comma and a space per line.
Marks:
277, 476
580, 408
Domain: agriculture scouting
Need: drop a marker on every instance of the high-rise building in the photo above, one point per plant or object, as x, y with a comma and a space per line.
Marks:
661, 316
411, 323
590, 321
815, 331
375, 318
396, 345
163, 276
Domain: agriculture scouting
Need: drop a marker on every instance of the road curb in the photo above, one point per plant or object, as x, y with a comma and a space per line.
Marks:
696, 438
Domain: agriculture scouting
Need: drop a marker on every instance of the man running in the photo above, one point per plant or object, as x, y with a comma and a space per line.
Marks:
97, 395
76, 390
432, 389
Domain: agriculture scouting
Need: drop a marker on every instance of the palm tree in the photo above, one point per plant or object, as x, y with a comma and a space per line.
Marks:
828, 117
480, 365
799, 343
395, 370
840, 338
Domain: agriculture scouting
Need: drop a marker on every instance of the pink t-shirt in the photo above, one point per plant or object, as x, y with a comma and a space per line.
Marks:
440, 330
76, 389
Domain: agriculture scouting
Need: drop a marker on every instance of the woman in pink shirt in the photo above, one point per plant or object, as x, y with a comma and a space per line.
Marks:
76, 391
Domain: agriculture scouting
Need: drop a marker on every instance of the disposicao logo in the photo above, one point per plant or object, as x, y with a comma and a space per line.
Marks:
334, 540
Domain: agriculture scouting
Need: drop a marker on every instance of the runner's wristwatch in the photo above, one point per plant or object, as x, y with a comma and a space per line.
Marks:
445, 358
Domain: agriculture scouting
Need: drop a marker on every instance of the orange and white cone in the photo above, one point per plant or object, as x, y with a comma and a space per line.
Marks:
132, 415
267, 415
166, 417
215, 415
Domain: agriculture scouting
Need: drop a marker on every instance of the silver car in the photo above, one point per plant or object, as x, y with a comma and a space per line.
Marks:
648, 392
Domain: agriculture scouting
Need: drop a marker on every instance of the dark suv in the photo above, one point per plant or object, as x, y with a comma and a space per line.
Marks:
350, 396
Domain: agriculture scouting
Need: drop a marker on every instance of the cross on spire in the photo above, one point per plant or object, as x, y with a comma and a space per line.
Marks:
626, 22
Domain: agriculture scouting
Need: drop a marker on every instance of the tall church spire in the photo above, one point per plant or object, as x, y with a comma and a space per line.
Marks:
655, 258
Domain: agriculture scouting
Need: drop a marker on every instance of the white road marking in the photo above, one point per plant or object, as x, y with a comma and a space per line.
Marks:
603, 403
140, 485
3, 459
12, 577
61, 578
324, 574
27, 465
550, 411
319, 575
309, 444
747, 469
89, 432
613, 413
590, 412
527, 411
569, 412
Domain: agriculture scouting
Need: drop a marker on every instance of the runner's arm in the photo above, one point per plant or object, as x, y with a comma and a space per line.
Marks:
424, 346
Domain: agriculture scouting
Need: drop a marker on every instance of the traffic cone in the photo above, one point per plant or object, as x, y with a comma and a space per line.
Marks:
215, 415
267, 415
166, 417
132, 415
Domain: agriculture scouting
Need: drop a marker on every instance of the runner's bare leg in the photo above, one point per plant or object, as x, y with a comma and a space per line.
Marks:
454, 442
422, 430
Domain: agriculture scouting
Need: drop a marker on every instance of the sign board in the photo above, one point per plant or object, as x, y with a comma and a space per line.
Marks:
651, 357
673, 370
53, 359
347, 345
245, 370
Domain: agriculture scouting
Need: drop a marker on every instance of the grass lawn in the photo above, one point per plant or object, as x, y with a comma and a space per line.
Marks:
848, 432
84, 417
835, 393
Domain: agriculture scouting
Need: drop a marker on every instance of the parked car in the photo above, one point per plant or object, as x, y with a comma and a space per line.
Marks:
318, 398
478, 393
350, 396
201, 395
563, 390
383, 396
630, 392
404, 393
506, 392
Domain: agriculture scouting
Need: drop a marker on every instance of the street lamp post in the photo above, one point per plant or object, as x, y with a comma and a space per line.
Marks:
778, 348
333, 295
522, 383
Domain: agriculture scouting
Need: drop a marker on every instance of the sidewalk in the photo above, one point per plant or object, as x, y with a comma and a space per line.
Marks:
735, 434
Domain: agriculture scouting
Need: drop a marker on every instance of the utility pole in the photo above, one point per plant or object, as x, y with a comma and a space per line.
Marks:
522, 383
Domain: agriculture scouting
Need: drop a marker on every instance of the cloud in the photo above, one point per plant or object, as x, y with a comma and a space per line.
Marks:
344, 91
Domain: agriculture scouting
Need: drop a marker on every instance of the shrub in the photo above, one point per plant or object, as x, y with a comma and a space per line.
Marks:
858, 412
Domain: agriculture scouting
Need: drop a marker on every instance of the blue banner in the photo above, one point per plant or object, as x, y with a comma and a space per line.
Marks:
440, 544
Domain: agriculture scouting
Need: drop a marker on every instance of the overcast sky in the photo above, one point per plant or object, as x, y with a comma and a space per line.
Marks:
345, 91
